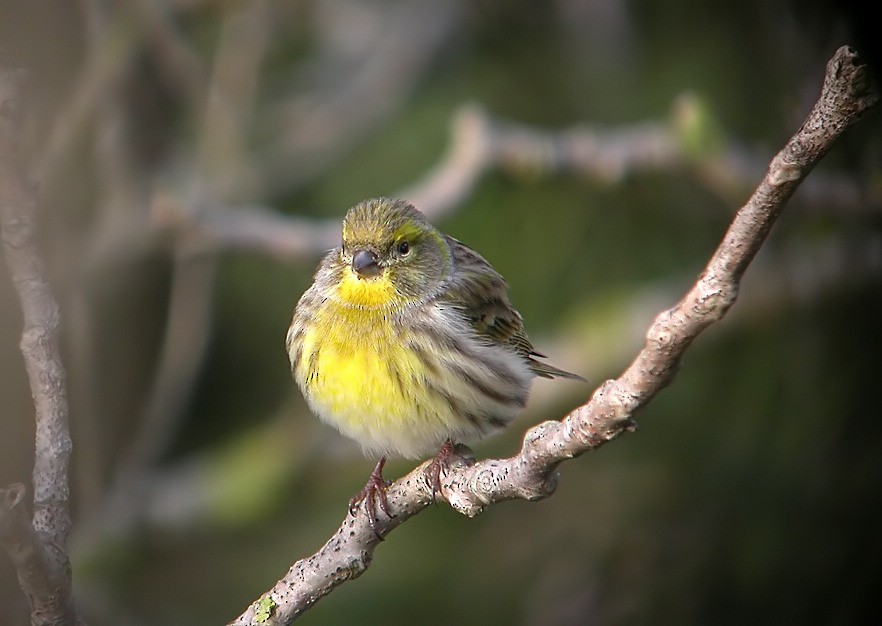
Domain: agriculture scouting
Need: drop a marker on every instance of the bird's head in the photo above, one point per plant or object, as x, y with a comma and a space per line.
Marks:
391, 254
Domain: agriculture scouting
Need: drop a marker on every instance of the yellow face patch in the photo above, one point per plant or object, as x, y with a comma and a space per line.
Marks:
408, 232
369, 293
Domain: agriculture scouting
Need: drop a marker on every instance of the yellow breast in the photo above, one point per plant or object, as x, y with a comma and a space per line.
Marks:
361, 369
359, 376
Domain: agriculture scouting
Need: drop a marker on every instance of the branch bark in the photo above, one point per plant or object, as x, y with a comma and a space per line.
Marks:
37, 549
532, 473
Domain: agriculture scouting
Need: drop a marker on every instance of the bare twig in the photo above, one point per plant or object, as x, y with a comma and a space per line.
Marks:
181, 354
220, 153
363, 46
48, 586
532, 473
479, 144
107, 61
178, 59
24, 547
231, 96
248, 227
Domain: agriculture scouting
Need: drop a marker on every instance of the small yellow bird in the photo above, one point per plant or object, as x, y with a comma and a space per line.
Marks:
406, 341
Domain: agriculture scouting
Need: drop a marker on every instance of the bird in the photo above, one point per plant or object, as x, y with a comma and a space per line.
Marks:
406, 342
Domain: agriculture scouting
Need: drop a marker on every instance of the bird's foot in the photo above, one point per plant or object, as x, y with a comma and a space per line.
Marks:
373, 492
440, 464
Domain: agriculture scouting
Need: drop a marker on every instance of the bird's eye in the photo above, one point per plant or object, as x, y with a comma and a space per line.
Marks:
403, 248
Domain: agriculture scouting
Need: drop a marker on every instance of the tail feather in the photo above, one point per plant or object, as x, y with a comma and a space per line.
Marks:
549, 371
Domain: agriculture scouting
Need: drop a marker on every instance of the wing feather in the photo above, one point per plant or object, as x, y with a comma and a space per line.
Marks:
481, 293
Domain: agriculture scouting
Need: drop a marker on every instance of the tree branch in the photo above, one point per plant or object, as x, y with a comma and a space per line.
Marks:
479, 143
532, 473
39, 551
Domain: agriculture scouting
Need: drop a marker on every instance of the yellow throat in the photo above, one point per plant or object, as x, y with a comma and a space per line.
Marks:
371, 293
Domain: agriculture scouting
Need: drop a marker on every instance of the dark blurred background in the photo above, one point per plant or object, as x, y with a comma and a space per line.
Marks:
170, 137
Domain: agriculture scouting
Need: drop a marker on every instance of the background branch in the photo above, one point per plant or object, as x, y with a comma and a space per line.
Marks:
531, 474
39, 552
479, 144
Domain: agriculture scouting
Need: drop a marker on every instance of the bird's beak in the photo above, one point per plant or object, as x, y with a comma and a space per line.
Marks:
366, 264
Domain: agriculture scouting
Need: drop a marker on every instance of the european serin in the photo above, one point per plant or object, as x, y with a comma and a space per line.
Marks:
406, 341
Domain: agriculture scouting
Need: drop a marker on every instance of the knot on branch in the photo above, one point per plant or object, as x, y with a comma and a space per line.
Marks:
714, 297
782, 172
661, 334
603, 418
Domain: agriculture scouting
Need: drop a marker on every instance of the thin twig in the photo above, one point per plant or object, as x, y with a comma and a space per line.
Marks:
532, 473
231, 96
398, 44
108, 59
48, 588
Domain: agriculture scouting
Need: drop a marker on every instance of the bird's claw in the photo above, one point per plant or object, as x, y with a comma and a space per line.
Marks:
374, 491
439, 464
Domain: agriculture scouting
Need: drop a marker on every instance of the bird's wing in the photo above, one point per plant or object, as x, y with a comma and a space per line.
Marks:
481, 293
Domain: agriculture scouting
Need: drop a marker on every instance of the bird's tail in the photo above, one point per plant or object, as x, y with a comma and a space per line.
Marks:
550, 371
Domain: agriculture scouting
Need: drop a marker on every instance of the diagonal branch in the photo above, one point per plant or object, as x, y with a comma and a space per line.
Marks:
532, 473
40, 551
